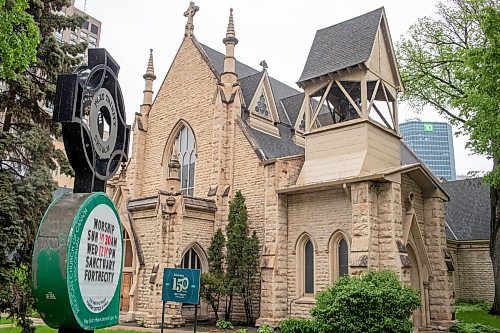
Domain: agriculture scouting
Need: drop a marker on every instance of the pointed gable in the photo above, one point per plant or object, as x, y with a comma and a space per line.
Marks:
382, 61
342, 45
249, 85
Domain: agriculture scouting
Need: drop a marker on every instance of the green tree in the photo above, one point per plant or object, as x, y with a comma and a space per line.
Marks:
19, 38
27, 155
451, 63
216, 253
249, 269
241, 258
212, 282
372, 303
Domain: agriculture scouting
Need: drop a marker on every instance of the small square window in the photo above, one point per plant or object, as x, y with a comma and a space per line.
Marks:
83, 35
93, 40
94, 29
85, 25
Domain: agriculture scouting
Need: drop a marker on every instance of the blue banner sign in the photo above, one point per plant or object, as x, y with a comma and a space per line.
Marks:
181, 285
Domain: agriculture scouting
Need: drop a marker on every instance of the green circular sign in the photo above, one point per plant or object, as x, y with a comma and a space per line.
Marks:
81, 270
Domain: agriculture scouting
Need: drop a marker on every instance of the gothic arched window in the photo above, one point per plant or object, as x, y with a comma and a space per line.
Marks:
185, 146
309, 267
191, 260
343, 258
127, 244
339, 255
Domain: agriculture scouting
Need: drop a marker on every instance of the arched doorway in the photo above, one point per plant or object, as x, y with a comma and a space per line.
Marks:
127, 272
417, 283
194, 258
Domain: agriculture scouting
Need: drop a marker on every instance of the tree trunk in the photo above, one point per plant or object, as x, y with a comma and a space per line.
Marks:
495, 243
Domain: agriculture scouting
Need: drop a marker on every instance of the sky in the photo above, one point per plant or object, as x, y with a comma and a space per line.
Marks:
278, 31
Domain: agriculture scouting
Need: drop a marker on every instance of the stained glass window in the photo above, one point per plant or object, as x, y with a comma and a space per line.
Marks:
185, 145
343, 258
309, 268
261, 107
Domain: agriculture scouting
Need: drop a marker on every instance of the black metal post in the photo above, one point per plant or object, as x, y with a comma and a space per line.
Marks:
195, 317
162, 315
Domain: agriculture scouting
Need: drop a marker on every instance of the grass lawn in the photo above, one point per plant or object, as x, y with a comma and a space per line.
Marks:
479, 317
476, 313
5, 321
46, 329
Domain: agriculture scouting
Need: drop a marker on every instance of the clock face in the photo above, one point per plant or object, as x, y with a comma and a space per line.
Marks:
103, 123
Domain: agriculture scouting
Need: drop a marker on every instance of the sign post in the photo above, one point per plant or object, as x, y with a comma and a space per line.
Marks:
181, 285
78, 253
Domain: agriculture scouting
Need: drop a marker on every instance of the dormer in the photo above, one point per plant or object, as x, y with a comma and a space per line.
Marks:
349, 112
260, 102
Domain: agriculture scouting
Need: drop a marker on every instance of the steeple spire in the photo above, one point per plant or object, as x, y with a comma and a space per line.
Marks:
189, 13
150, 70
230, 41
149, 77
230, 34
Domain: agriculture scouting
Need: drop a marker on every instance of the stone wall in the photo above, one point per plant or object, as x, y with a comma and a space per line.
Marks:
148, 298
440, 289
188, 93
319, 214
473, 276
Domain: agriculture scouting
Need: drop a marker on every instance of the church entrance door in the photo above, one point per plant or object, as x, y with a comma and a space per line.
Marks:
125, 292
417, 284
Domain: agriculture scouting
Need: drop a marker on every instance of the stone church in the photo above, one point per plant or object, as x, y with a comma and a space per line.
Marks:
330, 187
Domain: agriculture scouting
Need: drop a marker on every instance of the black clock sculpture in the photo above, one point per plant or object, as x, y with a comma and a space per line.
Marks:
89, 105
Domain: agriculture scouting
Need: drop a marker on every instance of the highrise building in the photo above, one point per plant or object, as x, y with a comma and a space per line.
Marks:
433, 143
89, 32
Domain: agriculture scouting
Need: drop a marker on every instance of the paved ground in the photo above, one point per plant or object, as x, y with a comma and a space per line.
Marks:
135, 327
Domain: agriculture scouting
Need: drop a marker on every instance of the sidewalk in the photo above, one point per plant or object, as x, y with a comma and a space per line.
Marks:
137, 328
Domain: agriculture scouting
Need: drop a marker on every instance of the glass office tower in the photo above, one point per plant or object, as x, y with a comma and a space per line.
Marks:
433, 143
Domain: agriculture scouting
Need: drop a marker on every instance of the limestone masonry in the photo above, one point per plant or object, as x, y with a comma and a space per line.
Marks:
330, 187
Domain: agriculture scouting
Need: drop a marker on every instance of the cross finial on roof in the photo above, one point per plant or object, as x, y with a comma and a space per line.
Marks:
263, 63
189, 13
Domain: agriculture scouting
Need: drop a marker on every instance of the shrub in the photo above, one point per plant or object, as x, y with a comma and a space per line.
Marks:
463, 305
472, 328
242, 330
299, 326
224, 325
374, 302
265, 329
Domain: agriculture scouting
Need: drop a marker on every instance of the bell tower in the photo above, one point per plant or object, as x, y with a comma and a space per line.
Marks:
349, 113
349, 121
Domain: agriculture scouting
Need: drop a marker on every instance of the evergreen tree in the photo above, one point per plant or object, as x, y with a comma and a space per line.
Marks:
249, 269
212, 282
242, 257
27, 155
216, 253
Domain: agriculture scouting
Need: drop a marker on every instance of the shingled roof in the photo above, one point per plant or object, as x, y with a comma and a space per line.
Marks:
342, 45
249, 78
467, 214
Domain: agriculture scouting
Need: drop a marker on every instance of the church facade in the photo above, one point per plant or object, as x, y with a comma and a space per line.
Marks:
330, 187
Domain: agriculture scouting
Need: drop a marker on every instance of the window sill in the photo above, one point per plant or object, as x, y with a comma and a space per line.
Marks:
306, 299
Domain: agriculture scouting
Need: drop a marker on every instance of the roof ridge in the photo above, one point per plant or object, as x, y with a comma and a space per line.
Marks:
354, 18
